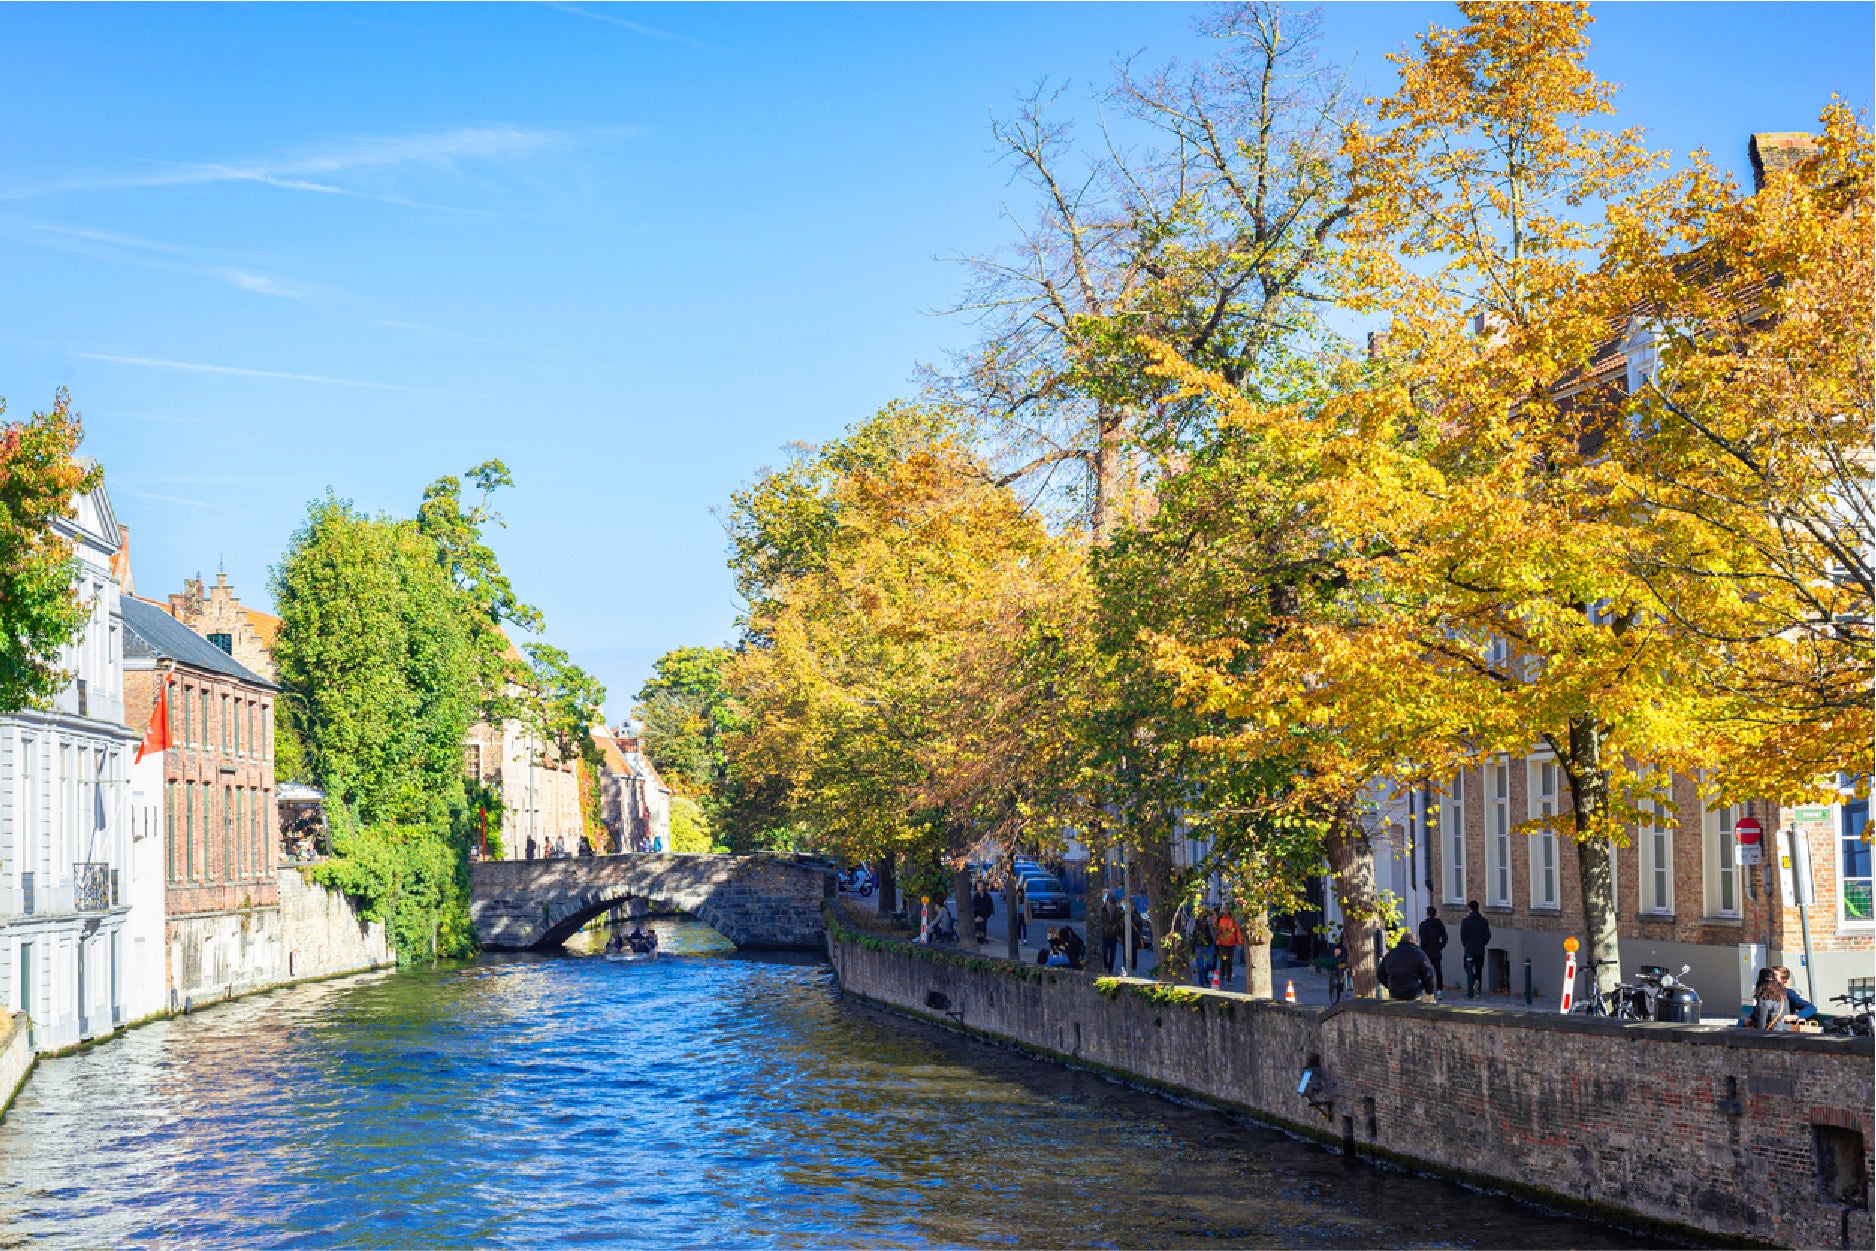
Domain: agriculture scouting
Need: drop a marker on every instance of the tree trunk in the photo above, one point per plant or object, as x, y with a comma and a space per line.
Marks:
1171, 959
961, 893
1011, 947
1105, 515
1257, 979
1351, 864
886, 900
1589, 801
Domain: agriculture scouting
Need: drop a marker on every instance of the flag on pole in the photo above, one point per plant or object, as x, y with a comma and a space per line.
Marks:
156, 737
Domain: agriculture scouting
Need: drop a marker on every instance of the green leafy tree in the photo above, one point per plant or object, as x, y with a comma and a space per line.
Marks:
40, 611
484, 593
382, 682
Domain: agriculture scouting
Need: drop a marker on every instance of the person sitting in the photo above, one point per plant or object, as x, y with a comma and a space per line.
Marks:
1073, 947
1406, 971
615, 943
639, 941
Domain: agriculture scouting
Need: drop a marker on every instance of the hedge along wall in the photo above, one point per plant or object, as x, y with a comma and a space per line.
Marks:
1723, 1133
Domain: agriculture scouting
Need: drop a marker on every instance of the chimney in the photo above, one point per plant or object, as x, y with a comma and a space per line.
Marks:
120, 561
1780, 150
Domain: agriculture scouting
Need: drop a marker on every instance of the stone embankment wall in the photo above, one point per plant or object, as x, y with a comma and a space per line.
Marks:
757, 902
1733, 1135
321, 933
312, 932
16, 1056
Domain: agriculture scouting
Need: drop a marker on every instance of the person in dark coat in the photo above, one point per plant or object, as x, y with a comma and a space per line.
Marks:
1406, 970
1433, 943
1072, 946
983, 907
1474, 933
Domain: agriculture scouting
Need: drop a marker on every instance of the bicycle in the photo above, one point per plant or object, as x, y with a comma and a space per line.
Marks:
1625, 998
1857, 1022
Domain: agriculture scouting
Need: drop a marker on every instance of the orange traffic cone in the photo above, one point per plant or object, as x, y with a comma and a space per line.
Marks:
1289, 991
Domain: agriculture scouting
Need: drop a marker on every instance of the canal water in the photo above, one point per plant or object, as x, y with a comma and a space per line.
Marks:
704, 1099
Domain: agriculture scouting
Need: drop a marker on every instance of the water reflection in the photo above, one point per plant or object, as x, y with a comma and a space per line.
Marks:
705, 1098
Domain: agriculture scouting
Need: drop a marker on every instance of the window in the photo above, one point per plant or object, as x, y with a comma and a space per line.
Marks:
188, 829
223, 641
187, 728
1542, 776
1855, 861
1498, 837
1722, 862
259, 831
227, 828
1453, 819
237, 728
267, 731
1656, 839
224, 725
203, 691
254, 742
169, 828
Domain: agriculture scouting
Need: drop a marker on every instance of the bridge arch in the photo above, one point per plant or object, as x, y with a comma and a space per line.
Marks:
760, 902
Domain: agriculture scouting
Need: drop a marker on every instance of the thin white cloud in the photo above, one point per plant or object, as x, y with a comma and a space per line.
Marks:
151, 254
637, 28
168, 499
195, 367
311, 168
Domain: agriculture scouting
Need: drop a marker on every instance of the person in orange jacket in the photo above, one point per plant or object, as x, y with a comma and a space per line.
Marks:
1226, 936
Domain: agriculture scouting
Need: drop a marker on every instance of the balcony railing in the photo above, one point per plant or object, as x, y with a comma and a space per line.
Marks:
94, 888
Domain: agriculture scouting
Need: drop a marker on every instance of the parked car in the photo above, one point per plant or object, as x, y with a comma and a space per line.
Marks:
1046, 897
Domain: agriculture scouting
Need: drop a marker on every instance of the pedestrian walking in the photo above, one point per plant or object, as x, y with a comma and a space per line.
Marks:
1433, 943
531, 847
1225, 937
1111, 927
1474, 933
1204, 954
1406, 971
982, 909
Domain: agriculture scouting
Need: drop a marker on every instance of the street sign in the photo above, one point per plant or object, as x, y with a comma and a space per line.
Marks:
1748, 831
1813, 813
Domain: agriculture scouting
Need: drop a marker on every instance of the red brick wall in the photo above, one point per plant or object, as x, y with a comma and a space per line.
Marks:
222, 836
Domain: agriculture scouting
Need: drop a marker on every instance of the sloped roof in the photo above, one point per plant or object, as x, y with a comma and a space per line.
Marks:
151, 631
265, 624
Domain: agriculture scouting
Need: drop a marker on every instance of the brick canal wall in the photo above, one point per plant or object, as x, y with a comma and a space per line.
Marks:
1731, 1135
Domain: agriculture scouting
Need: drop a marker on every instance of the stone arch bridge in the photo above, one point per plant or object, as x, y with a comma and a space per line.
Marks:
757, 902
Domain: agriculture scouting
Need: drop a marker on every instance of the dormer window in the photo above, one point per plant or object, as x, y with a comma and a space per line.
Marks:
1644, 359
223, 641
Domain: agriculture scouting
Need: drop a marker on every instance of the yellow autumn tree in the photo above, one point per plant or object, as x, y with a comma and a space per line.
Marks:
900, 673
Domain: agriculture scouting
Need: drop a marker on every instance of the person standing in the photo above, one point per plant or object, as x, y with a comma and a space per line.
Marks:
531, 847
1110, 931
1204, 954
1406, 971
982, 909
1433, 945
1021, 919
1474, 933
1225, 937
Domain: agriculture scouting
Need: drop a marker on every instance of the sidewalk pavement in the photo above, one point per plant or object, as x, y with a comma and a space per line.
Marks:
1311, 984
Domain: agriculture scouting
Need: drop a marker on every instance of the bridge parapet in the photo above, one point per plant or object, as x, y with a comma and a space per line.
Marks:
759, 902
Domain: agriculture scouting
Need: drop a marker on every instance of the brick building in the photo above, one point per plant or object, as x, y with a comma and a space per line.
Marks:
220, 839
247, 634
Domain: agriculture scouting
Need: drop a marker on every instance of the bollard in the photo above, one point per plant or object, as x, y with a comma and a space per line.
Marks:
1528, 992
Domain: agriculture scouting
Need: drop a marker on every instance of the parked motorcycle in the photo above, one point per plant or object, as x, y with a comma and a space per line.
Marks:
1856, 1023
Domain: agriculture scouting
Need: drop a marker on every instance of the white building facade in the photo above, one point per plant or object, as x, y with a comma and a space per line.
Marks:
67, 847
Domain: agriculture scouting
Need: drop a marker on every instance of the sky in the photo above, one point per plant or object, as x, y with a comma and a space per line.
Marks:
631, 250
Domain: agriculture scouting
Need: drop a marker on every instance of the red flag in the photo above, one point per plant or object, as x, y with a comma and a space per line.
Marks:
156, 738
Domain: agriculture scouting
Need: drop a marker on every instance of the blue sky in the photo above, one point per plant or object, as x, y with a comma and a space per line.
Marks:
632, 250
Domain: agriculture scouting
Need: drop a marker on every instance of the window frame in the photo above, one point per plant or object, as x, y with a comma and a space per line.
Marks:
1453, 837
1841, 839
1543, 845
1498, 836
1719, 843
